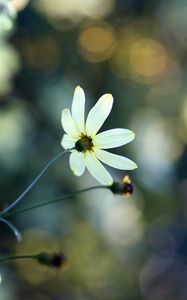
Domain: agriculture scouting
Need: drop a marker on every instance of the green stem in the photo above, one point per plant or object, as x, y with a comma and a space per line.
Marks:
5, 259
54, 200
13, 228
23, 194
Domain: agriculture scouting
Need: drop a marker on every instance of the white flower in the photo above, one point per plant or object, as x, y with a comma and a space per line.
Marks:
87, 146
7, 16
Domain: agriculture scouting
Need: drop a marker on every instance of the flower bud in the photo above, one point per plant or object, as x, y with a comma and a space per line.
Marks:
123, 188
56, 260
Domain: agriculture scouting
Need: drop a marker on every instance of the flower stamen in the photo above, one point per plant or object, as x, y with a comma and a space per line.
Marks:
84, 144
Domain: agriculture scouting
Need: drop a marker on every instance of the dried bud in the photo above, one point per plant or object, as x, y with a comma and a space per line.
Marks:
56, 260
123, 188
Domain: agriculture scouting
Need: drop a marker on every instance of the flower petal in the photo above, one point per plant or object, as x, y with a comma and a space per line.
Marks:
77, 162
97, 170
68, 142
113, 138
114, 160
77, 108
68, 124
98, 114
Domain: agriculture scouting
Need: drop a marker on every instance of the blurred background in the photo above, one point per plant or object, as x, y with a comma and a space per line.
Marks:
117, 248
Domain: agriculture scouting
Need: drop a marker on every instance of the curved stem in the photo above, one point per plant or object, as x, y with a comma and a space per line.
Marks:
56, 200
5, 259
13, 204
13, 228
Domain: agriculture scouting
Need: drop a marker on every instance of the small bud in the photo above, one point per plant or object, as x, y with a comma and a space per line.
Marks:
123, 188
56, 260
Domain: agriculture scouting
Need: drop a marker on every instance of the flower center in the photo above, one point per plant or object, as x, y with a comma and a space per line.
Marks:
84, 144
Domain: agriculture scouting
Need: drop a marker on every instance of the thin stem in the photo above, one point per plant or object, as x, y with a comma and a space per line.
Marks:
13, 228
13, 204
5, 259
56, 200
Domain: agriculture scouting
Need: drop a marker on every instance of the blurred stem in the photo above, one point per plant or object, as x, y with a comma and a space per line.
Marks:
56, 200
23, 194
8, 258
13, 228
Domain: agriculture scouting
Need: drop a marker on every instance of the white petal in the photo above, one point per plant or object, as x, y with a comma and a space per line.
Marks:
97, 170
114, 160
68, 142
77, 162
113, 138
77, 108
98, 114
68, 124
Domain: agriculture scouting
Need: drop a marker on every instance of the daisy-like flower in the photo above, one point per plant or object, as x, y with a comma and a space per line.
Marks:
87, 144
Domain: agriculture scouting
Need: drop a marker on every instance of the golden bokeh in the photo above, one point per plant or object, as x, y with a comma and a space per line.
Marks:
128, 35
147, 60
97, 42
42, 53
